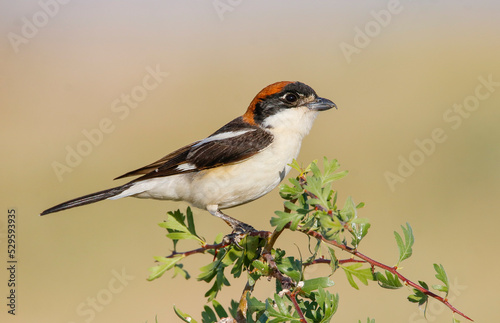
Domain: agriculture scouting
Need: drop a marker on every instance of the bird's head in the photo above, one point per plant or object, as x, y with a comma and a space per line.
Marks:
290, 106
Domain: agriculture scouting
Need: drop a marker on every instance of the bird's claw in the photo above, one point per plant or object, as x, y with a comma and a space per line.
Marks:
240, 231
243, 228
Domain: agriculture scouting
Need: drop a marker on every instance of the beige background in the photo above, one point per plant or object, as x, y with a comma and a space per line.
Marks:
398, 88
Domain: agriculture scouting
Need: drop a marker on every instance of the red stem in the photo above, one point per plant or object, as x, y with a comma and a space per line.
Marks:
296, 305
393, 270
199, 250
327, 261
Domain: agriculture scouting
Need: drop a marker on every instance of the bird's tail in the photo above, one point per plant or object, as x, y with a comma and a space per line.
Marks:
88, 199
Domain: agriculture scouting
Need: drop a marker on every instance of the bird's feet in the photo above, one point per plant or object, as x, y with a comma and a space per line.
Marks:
240, 231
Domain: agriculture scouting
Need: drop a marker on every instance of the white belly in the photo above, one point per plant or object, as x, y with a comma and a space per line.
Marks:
246, 181
225, 186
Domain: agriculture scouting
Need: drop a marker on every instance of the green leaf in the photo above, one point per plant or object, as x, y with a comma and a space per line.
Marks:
316, 283
177, 228
233, 308
315, 169
314, 186
179, 270
215, 270
261, 267
231, 256
333, 202
441, 275
208, 315
253, 277
291, 206
418, 296
360, 228
330, 226
329, 171
328, 304
334, 262
190, 220
220, 281
363, 275
291, 267
254, 305
295, 165
208, 272
175, 221
183, 316
181, 236
283, 313
405, 248
348, 212
291, 192
360, 205
280, 303
221, 312
388, 281
168, 263
284, 218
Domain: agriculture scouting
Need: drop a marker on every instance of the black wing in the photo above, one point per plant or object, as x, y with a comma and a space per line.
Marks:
230, 144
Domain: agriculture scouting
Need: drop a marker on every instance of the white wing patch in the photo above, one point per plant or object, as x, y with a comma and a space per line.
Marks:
221, 136
185, 167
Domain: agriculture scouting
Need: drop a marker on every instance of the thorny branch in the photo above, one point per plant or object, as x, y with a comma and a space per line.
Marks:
373, 263
288, 284
289, 287
392, 270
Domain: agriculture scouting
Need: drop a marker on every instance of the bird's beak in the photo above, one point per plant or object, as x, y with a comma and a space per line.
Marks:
321, 104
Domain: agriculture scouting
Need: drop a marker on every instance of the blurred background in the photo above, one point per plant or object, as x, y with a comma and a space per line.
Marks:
90, 90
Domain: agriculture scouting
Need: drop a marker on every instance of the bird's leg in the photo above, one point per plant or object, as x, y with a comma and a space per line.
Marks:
237, 225
240, 229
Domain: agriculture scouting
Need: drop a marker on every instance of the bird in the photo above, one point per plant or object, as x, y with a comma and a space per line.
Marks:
239, 163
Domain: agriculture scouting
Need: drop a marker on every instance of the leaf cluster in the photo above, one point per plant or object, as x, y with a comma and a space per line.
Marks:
310, 208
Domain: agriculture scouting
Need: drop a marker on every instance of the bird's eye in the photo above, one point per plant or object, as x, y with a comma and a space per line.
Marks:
291, 97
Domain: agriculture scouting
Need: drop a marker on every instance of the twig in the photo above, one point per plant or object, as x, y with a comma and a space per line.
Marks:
293, 298
272, 239
203, 249
217, 246
373, 263
392, 270
243, 305
327, 261
286, 283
